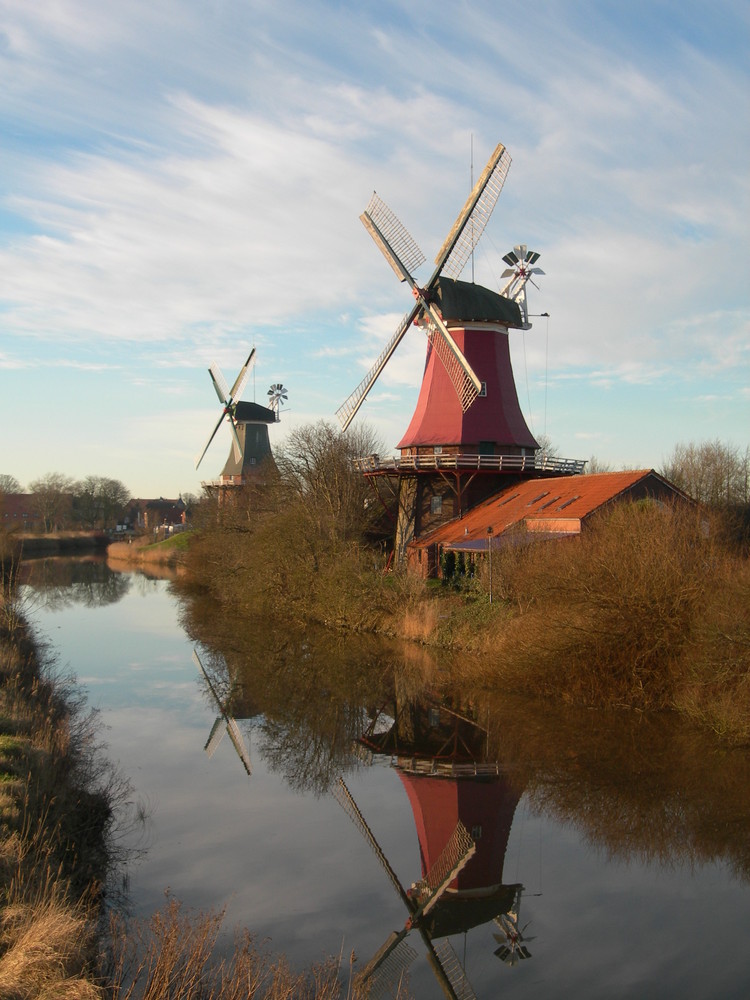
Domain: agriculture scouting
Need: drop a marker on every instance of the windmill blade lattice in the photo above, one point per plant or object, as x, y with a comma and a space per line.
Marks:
385, 970
453, 970
446, 349
380, 222
344, 798
463, 238
348, 410
453, 858
219, 382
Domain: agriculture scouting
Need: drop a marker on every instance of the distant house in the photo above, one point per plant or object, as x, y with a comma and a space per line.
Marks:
17, 512
545, 508
149, 515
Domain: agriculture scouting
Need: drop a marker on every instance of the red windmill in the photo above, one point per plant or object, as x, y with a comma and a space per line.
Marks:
467, 428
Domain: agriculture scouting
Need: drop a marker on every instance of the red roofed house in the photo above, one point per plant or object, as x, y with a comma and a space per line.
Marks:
546, 508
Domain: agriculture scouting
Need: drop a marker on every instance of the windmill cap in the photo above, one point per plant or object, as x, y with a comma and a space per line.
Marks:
467, 302
253, 413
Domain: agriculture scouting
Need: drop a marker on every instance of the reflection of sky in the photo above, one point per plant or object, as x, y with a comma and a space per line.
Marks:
294, 869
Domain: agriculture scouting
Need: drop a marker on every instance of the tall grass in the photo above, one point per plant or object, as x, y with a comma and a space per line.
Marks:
172, 956
52, 825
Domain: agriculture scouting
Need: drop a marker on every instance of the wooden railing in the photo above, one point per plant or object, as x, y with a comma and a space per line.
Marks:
499, 463
445, 768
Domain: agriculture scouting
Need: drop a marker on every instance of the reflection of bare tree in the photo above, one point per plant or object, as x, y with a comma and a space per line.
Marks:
646, 787
638, 786
64, 582
307, 685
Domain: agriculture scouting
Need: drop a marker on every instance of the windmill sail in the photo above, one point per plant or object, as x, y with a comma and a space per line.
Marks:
451, 968
385, 970
403, 255
244, 374
455, 855
219, 382
348, 410
217, 733
344, 798
474, 216
392, 238
467, 388
228, 399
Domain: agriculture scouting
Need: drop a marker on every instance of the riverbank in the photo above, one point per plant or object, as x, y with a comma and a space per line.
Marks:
646, 611
53, 824
57, 810
59, 543
142, 552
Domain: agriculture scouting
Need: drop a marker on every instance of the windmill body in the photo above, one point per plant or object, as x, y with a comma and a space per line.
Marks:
478, 320
486, 808
252, 422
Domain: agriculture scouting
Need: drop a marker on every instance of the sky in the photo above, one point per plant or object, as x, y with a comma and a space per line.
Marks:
181, 180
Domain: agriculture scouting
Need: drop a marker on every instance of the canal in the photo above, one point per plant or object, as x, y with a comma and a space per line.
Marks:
305, 784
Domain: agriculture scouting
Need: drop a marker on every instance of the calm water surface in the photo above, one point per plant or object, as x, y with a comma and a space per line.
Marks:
625, 843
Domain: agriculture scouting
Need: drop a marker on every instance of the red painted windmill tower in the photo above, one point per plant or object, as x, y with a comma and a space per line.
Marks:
467, 435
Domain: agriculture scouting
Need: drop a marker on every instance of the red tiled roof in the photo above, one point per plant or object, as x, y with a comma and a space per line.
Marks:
538, 502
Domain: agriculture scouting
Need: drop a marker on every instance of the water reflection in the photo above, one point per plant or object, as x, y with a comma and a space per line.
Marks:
598, 788
463, 804
64, 582
646, 788
224, 722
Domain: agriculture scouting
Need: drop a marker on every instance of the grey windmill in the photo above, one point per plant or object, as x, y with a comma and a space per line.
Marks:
404, 256
387, 966
223, 723
248, 423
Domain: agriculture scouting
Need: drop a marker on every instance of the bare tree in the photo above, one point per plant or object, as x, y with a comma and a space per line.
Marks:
100, 502
316, 463
52, 499
9, 484
596, 465
712, 472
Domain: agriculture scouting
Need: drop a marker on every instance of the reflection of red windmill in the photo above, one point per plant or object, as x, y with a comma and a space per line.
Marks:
451, 785
467, 434
424, 898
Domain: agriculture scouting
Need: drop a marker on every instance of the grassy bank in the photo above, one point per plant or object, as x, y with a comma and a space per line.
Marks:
142, 552
647, 610
53, 822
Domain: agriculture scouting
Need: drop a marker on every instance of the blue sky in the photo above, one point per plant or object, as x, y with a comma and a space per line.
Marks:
182, 179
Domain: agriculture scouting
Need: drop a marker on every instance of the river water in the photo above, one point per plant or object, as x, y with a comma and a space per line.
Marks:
606, 856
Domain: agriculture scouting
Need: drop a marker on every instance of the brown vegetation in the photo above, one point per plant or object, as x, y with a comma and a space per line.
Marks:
647, 610
52, 828
172, 956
